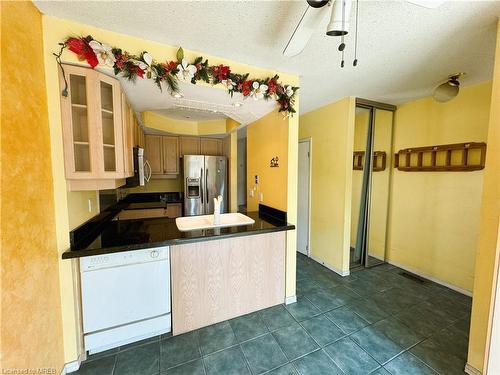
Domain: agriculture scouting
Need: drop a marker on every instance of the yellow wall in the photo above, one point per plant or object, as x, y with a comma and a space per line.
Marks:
486, 252
434, 220
267, 138
331, 129
159, 186
166, 124
56, 30
31, 333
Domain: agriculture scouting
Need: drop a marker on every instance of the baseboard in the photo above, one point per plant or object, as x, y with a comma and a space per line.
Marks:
471, 370
437, 281
291, 299
331, 268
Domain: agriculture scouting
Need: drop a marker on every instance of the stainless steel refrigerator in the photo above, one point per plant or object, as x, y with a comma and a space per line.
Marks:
205, 178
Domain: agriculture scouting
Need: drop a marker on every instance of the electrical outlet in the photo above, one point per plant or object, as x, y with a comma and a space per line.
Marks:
90, 205
256, 179
251, 193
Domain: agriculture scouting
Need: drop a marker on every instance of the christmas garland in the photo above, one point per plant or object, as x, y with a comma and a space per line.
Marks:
169, 73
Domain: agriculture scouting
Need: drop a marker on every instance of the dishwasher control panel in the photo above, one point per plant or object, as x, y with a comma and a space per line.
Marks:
123, 258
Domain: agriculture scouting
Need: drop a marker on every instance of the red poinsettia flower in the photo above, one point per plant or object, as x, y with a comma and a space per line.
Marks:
245, 87
137, 70
221, 72
120, 61
272, 86
169, 66
284, 103
81, 47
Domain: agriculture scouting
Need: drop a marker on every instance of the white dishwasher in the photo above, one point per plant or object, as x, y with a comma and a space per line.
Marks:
125, 297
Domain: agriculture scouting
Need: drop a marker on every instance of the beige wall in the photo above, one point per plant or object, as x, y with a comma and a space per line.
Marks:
31, 330
331, 129
487, 248
434, 219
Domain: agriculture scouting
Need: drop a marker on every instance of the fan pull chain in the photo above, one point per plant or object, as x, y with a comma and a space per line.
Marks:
355, 62
342, 44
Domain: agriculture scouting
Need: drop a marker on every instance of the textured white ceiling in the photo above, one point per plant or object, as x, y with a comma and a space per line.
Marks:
199, 102
404, 49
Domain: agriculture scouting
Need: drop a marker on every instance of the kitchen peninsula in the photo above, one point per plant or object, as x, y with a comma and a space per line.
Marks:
215, 274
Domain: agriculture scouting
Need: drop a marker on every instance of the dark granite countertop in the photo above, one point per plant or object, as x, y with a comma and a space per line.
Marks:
110, 236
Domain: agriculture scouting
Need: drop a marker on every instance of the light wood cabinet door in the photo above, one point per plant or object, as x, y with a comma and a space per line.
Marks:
170, 153
211, 146
174, 210
153, 153
92, 126
189, 146
77, 111
110, 127
128, 137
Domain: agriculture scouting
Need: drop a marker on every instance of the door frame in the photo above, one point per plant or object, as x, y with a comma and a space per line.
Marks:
310, 141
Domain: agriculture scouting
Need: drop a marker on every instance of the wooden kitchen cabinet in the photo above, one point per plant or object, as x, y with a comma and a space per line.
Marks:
162, 153
152, 153
170, 146
189, 146
92, 129
128, 137
172, 211
211, 146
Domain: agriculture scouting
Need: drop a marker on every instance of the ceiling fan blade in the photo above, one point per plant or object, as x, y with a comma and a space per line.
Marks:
431, 4
304, 30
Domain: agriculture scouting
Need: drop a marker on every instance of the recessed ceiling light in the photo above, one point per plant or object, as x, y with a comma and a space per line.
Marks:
214, 111
178, 95
237, 104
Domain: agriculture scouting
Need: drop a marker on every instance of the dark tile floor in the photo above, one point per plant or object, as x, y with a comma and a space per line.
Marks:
372, 322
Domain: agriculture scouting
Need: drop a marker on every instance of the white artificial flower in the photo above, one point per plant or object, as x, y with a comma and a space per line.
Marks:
258, 90
186, 71
229, 83
288, 91
146, 64
103, 52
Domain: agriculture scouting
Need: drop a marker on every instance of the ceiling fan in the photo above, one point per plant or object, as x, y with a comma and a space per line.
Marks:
340, 11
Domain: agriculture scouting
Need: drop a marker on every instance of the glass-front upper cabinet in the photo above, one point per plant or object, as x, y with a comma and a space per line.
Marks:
92, 128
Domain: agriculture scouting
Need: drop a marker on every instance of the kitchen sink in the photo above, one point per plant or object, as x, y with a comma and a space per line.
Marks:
188, 223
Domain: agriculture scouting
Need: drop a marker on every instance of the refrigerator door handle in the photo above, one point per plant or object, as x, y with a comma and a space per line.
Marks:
201, 186
206, 187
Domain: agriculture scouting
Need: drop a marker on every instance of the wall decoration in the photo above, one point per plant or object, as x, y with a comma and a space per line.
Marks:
169, 73
379, 161
456, 157
274, 162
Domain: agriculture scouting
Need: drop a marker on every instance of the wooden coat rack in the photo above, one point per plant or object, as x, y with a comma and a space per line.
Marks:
456, 157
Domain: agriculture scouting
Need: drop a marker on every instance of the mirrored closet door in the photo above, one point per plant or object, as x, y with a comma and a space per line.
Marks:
372, 163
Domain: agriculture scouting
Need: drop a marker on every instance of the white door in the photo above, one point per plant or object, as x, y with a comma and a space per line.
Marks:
303, 197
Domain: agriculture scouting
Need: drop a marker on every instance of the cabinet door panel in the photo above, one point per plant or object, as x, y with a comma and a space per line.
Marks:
128, 137
211, 146
189, 146
170, 155
153, 153
111, 126
76, 110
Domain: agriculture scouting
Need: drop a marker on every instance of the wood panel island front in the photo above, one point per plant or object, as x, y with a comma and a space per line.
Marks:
213, 281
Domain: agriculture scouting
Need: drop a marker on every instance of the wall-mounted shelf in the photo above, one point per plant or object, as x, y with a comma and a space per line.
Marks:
379, 160
458, 157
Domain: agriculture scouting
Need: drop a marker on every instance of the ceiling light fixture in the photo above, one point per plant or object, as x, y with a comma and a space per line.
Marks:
237, 104
449, 89
339, 20
178, 95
